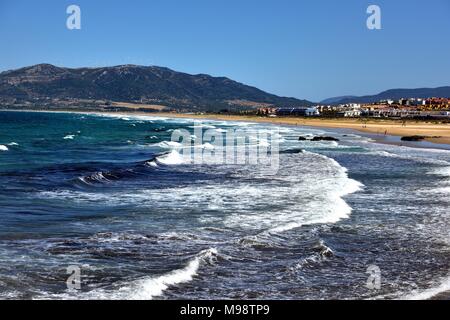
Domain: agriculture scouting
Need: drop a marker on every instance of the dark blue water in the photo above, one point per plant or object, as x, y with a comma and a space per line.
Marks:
112, 196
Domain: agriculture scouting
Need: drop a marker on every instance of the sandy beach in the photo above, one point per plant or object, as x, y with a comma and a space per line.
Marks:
437, 133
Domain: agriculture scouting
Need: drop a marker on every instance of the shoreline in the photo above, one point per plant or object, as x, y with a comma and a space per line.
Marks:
436, 133
381, 131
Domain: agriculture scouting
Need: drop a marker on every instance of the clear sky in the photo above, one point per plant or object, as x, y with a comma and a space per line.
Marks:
312, 49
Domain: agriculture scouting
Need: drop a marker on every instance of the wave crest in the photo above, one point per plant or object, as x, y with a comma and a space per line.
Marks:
148, 288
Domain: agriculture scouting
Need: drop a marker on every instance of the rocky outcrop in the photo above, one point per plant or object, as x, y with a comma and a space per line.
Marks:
318, 138
413, 138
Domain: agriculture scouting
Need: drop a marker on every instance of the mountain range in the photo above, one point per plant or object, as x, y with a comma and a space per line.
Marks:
394, 94
46, 84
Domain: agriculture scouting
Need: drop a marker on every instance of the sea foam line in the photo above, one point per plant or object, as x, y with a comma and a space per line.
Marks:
153, 287
426, 294
337, 207
147, 288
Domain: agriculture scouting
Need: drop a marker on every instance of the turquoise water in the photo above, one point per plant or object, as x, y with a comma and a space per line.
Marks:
112, 196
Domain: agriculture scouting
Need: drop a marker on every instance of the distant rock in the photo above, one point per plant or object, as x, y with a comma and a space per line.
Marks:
292, 151
325, 139
318, 138
413, 138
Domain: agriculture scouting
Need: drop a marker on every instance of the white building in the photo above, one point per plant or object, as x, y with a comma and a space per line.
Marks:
352, 113
312, 111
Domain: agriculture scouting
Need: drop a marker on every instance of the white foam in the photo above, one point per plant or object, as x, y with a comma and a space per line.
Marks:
313, 196
147, 288
129, 118
207, 146
154, 287
442, 190
385, 154
13, 144
152, 163
264, 143
203, 126
169, 144
98, 176
309, 190
444, 286
3, 148
69, 137
172, 158
442, 171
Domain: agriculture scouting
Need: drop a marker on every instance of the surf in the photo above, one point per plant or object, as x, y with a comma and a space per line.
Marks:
145, 288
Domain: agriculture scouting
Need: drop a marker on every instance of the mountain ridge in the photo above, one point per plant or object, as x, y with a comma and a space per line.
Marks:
135, 84
395, 94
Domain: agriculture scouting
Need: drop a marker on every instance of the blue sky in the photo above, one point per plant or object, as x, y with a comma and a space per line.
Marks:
312, 49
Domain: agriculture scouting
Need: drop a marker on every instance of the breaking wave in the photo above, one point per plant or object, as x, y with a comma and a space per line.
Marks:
322, 253
147, 288
315, 196
171, 158
427, 294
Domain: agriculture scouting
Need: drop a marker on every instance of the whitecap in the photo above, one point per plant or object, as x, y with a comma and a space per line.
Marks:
427, 294
152, 163
441, 171
264, 143
314, 195
203, 126
134, 117
172, 158
147, 288
207, 146
152, 287
169, 144
3, 148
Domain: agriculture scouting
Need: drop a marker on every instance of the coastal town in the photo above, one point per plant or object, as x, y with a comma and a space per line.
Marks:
405, 108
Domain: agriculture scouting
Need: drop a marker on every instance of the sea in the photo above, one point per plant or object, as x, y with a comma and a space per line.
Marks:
107, 206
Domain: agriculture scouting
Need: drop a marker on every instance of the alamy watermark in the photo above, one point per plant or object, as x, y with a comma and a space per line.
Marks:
374, 279
374, 20
73, 22
228, 147
73, 282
